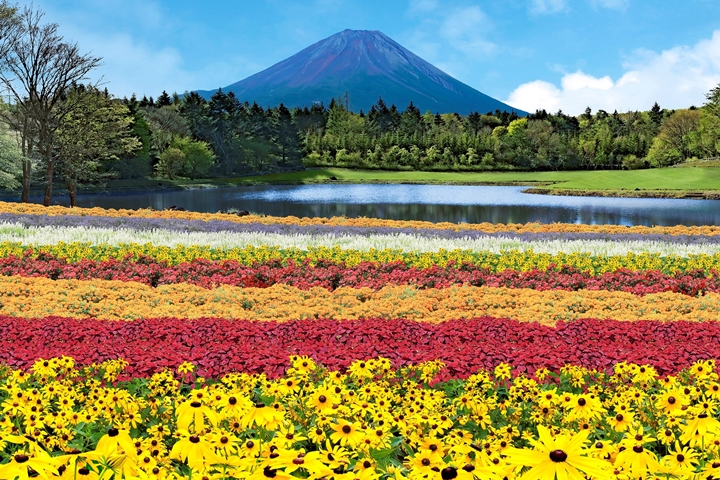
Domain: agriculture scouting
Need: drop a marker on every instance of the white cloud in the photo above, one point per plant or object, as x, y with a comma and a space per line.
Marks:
449, 38
547, 6
156, 70
465, 29
543, 7
675, 78
423, 5
612, 4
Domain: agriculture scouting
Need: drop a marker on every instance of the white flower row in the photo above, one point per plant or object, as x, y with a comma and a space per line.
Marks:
51, 235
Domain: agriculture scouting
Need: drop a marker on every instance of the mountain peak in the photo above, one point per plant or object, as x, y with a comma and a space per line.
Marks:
367, 64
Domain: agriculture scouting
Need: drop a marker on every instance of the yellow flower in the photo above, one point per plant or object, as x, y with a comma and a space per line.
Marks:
115, 442
194, 412
561, 455
21, 464
346, 433
196, 450
681, 461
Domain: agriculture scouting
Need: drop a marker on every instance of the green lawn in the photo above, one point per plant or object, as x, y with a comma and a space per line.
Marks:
690, 179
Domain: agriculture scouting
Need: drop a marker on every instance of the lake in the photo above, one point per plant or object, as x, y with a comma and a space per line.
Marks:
435, 203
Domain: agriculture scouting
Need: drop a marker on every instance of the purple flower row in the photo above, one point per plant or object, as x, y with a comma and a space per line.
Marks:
213, 226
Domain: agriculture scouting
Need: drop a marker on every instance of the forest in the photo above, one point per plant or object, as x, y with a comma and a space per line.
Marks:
57, 127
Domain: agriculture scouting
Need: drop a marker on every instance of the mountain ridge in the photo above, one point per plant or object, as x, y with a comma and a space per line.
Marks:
368, 65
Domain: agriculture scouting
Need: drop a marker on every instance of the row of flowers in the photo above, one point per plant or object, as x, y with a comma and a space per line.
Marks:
35, 209
142, 224
221, 346
209, 274
117, 300
372, 421
494, 262
400, 242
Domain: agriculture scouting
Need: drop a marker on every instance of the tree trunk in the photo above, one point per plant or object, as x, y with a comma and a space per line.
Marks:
48, 184
27, 169
72, 190
26, 162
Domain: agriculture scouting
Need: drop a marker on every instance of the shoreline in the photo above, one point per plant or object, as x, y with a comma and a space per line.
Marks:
660, 194
330, 177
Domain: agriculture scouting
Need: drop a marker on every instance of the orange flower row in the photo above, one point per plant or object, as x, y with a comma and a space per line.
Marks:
116, 300
36, 209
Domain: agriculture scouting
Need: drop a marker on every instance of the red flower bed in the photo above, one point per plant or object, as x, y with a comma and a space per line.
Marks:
218, 346
330, 275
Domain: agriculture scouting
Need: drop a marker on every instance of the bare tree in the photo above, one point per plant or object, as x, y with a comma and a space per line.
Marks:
9, 26
37, 69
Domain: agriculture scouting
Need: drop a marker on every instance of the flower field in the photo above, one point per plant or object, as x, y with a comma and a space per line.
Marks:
164, 345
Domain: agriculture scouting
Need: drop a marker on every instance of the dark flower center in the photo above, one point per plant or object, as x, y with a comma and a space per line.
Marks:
425, 462
196, 404
113, 432
448, 473
194, 439
269, 472
582, 402
558, 456
21, 458
346, 429
232, 400
680, 457
671, 400
638, 449
322, 399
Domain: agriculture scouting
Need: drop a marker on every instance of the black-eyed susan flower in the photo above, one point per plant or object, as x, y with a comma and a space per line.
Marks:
323, 399
114, 442
638, 461
672, 400
346, 433
261, 415
194, 412
680, 461
196, 450
621, 422
22, 463
562, 456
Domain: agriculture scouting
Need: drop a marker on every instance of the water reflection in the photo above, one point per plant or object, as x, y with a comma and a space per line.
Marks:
436, 203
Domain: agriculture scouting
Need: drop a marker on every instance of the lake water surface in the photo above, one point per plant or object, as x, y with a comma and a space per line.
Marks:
435, 203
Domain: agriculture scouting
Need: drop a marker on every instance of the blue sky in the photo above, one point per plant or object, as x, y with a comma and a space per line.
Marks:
552, 54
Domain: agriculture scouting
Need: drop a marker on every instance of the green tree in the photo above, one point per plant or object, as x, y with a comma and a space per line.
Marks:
713, 101
674, 142
199, 157
37, 68
287, 137
172, 163
166, 124
10, 161
97, 130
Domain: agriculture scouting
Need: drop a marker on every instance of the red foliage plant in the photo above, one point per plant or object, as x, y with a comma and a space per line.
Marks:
326, 274
219, 346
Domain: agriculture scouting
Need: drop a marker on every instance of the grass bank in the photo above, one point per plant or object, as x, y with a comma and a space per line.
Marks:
695, 182
691, 182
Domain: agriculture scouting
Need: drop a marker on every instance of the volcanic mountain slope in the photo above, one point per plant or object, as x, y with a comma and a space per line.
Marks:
367, 65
